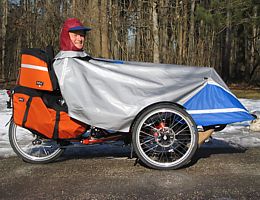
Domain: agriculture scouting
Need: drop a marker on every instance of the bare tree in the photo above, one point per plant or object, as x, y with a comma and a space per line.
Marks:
227, 46
104, 23
3, 35
156, 55
191, 32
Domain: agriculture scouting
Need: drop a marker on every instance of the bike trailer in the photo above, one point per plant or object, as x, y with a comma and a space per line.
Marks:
36, 71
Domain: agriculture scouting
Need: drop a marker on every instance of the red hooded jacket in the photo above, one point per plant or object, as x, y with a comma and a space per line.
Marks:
65, 42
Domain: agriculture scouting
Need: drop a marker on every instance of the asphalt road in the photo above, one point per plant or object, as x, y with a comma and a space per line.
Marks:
221, 173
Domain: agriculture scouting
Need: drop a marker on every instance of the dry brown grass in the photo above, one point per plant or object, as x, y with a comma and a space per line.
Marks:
247, 93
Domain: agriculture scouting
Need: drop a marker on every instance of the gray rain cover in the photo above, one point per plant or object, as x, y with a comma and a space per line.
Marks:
109, 95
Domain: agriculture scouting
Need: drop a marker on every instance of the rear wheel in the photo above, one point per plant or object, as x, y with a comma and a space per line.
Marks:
164, 136
32, 148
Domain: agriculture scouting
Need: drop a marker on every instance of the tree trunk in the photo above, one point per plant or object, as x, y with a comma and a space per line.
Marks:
3, 32
191, 34
156, 56
103, 29
179, 21
95, 33
73, 8
226, 48
185, 30
253, 54
138, 31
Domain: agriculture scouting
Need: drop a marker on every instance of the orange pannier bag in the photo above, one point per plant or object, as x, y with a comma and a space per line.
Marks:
35, 104
36, 71
30, 111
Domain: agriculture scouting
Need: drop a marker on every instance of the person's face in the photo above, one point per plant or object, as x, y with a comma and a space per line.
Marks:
77, 38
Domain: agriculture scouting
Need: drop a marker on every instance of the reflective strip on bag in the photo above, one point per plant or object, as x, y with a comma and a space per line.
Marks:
34, 67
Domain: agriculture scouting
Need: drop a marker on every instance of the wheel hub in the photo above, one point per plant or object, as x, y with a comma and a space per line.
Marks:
37, 141
165, 137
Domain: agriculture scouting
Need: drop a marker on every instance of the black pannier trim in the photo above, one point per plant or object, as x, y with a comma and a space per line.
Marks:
28, 91
52, 100
28, 104
38, 53
56, 127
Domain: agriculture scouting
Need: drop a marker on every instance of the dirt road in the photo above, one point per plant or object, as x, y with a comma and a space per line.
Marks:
222, 173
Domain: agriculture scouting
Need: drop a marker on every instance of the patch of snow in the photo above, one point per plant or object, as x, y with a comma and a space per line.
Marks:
5, 115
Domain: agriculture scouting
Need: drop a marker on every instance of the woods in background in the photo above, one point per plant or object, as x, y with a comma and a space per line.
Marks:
224, 34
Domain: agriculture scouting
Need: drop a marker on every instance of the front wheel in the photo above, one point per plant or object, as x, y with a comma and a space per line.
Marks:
32, 148
164, 136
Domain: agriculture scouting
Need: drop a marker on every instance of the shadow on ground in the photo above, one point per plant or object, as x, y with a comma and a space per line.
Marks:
117, 150
216, 146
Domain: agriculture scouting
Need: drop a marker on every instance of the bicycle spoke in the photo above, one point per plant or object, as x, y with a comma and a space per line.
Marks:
181, 130
147, 141
148, 125
178, 122
146, 134
46, 153
151, 148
